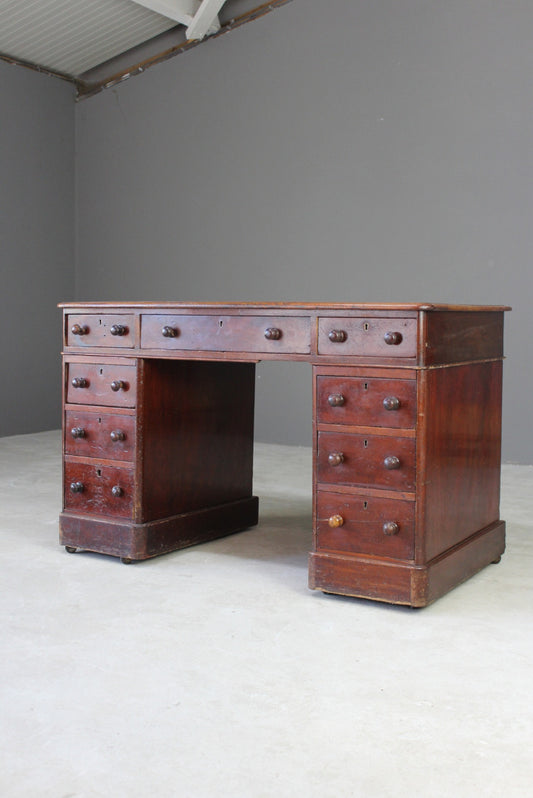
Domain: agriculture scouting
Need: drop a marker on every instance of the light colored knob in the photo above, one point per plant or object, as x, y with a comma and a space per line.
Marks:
335, 458
335, 521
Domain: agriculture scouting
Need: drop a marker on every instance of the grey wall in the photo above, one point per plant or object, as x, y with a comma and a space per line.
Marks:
376, 152
36, 244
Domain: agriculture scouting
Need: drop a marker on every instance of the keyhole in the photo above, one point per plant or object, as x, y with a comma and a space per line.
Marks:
365, 444
366, 326
98, 472
220, 323
101, 371
366, 386
365, 505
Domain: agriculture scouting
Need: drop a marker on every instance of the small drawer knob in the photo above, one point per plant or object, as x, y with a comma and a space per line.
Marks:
118, 385
79, 329
393, 338
78, 432
335, 521
391, 463
391, 528
77, 487
272, 334
335, 458
337, 336
117, 435
117, 491
336, 400
119, 329
391, 403
80, 382
169, 332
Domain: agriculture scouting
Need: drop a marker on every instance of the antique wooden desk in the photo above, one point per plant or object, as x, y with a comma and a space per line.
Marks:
158, 434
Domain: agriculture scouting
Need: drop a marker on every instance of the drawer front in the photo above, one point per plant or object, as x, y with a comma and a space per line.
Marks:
95, 329
265, 334
367, 337
366, 460
101, 384
105, 435
99, 490
366, 402
365, 525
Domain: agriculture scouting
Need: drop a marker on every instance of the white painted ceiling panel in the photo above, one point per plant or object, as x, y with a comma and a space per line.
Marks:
73, 36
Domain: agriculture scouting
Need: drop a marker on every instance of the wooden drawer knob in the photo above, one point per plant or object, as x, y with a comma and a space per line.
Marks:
337, 336
117, 435
335, 521
391, 528
272, 334
391, 403
80, 382
169, 332
393, 338
336, 400
78, 432
119, 329
335, 458
118, 385
391, 463
79, 329
117, 491
77, 487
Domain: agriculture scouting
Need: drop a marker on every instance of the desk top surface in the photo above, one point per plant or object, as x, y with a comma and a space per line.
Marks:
303, 306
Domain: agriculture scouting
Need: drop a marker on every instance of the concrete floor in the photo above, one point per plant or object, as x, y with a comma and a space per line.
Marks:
215, 673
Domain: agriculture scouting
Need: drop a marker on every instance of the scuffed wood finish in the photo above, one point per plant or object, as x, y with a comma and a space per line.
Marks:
158, 430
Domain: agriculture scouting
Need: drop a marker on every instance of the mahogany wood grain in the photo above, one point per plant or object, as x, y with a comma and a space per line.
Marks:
365, 336
197, 435
461, 337
363, 401
96, 440
96, 330
98, 482
461, 473
363, 519
364, 460
98, 379
226, 333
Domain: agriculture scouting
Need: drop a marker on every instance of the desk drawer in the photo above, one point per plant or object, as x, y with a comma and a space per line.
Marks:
367, 337
261, 334
101, 384
365, 525
366, 402
99, 490
105, 435
96, 329
378, 461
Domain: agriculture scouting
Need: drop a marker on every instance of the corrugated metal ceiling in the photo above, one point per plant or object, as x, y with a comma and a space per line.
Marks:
72, 36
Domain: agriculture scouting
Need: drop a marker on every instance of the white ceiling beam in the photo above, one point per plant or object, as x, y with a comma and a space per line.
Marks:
205, 20
181, 11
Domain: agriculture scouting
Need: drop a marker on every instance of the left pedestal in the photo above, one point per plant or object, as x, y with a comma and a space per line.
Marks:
158, 454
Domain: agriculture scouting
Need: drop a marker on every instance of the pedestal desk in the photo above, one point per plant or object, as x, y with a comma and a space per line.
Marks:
158, 434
